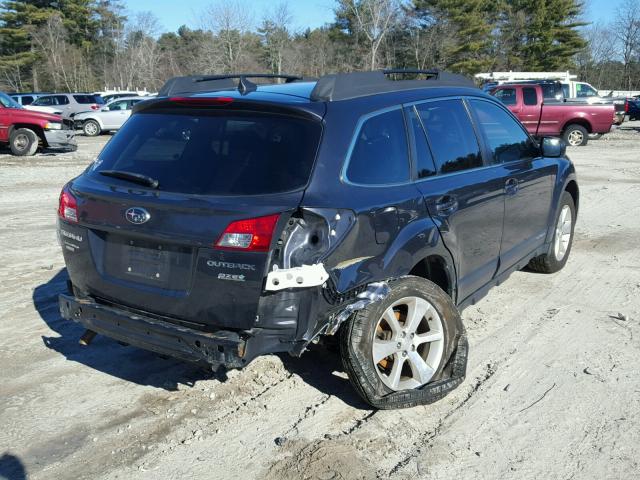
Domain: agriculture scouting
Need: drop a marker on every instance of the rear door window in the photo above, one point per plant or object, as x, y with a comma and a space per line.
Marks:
504, 136
451, 135
530, 96
506, 95
380, 155
216, 154
61, 100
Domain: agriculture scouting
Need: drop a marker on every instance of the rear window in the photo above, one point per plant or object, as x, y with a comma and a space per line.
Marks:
86, 99
234, 154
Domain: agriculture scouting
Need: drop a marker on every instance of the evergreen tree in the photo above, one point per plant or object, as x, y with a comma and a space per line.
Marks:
472, 23
550, 37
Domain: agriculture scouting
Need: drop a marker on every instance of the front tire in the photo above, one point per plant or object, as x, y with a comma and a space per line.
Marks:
556, 258
392, 348
576, 135
91, 128
23, 142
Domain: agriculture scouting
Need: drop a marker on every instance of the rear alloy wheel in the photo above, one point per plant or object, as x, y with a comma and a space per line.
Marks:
392, 348
408, 344
23, 142
576, 135
91, 128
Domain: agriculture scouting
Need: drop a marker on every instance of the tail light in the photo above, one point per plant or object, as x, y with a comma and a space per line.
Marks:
95, 107
252, 235
626, 106
68, 206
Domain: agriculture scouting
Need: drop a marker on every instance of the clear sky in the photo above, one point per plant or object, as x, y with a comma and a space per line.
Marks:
306, 13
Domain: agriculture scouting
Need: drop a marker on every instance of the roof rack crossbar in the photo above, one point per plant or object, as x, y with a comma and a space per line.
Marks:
344, 86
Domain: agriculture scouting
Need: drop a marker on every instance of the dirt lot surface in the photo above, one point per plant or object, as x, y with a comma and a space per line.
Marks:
552, 389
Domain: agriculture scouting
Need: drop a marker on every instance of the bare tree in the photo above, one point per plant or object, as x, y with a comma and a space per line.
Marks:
374, 19
627, 30
275, 34
229, 20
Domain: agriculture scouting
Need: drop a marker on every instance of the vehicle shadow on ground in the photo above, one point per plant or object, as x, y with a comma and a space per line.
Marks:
11, 468
132, 364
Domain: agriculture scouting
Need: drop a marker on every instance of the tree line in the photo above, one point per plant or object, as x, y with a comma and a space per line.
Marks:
90, 45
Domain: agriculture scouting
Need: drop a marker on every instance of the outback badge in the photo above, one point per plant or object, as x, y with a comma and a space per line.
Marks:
137, 215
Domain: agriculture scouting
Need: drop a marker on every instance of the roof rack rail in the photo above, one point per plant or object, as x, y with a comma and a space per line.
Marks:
207, 83
342, 86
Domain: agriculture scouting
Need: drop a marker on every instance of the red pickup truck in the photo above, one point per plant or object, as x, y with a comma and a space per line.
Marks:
26, 130
542, 118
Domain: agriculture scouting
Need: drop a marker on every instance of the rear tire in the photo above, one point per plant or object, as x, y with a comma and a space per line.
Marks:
576, 135
414, 348
558, 254
23, 142
91, 128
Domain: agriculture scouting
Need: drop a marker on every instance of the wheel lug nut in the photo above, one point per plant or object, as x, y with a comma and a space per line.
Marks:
413, 348
399, 346
404, 354
413, 335
403, 334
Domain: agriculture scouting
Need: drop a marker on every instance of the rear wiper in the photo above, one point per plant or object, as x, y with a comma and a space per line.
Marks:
131, 177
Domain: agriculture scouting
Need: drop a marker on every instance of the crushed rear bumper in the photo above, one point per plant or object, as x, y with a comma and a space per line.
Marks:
222, 348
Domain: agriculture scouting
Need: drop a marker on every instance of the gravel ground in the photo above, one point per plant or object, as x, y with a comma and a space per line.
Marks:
552, 389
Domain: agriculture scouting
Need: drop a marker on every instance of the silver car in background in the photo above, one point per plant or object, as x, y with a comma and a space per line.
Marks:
110, 117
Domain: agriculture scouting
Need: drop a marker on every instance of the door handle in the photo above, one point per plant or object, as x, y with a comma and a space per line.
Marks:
511, 186
446, 205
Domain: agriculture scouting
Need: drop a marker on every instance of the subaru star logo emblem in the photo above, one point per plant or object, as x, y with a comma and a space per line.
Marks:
137, 215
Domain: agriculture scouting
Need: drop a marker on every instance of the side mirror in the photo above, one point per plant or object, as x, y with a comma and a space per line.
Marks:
105, 109
553, 147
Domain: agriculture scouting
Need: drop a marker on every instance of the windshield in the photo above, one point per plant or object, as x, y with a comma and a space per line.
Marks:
8, 102
216, 154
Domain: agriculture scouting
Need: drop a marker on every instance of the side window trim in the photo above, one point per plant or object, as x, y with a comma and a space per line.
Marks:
408, 110
354, 140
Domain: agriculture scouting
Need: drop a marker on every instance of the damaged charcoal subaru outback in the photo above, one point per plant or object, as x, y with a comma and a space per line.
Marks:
228, 220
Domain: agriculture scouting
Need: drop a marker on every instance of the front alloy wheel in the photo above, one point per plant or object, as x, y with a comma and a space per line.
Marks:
562, 237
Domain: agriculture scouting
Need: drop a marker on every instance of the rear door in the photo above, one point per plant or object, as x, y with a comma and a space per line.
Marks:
462, 195
155, 249
528, 181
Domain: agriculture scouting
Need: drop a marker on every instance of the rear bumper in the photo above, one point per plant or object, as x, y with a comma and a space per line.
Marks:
220, 348
61, 139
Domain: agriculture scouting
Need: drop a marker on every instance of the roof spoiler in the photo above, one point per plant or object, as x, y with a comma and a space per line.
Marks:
342, 86
208, 83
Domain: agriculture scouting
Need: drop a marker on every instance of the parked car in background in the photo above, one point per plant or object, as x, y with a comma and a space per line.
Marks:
226, 222
112, 96
632, 108
26, 130
110, 117
27, 98
67, 104
571, 121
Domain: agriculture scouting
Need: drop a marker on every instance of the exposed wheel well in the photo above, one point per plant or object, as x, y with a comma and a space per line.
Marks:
36, 129
572, 188
434, 268
578, 121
